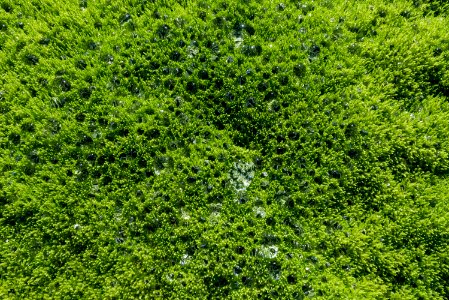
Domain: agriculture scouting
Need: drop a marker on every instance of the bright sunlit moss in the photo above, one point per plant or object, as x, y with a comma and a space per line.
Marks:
239, 149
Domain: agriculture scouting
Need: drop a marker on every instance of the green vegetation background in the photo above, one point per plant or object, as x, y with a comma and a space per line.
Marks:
224, 149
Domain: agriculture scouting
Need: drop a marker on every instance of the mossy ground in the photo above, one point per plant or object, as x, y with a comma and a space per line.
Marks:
224, 149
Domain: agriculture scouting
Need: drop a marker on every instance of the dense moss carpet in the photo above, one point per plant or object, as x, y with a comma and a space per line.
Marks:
224, 149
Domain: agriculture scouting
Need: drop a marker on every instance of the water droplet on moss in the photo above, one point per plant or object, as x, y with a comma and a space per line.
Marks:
34, 156
238, 27
175, 56
270, 95
437, 52
65, 85
252, 50
14, 138
250, 30
169, 84
85, 93
251, 102
281, 7
283, 80
275, 70
108, 58
237, 270
382, 13
299, 70
191, 87
181, 43
28, 126
81, 64
314, 51
306, 8
163, 30
334, 174
92, 45
44, 41
86, 140
291, 279
406, 14
241, 80
165, 71
125, 18
32, 59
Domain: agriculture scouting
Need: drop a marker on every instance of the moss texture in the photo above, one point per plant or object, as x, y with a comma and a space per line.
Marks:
224, 149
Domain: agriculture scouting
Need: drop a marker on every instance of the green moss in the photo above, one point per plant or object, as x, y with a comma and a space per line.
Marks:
201, 149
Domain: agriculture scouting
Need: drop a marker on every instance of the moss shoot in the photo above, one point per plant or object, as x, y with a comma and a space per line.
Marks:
233, 149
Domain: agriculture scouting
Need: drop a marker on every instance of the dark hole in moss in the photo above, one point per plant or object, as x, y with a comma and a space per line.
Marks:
32, 59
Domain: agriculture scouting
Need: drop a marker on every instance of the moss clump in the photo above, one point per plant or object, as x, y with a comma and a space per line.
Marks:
258, 149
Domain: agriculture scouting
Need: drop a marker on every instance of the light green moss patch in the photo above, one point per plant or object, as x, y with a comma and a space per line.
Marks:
240, 149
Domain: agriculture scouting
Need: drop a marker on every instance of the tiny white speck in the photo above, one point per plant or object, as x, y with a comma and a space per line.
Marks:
184, 259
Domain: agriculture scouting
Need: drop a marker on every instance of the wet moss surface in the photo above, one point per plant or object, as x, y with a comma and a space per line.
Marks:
211, 150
